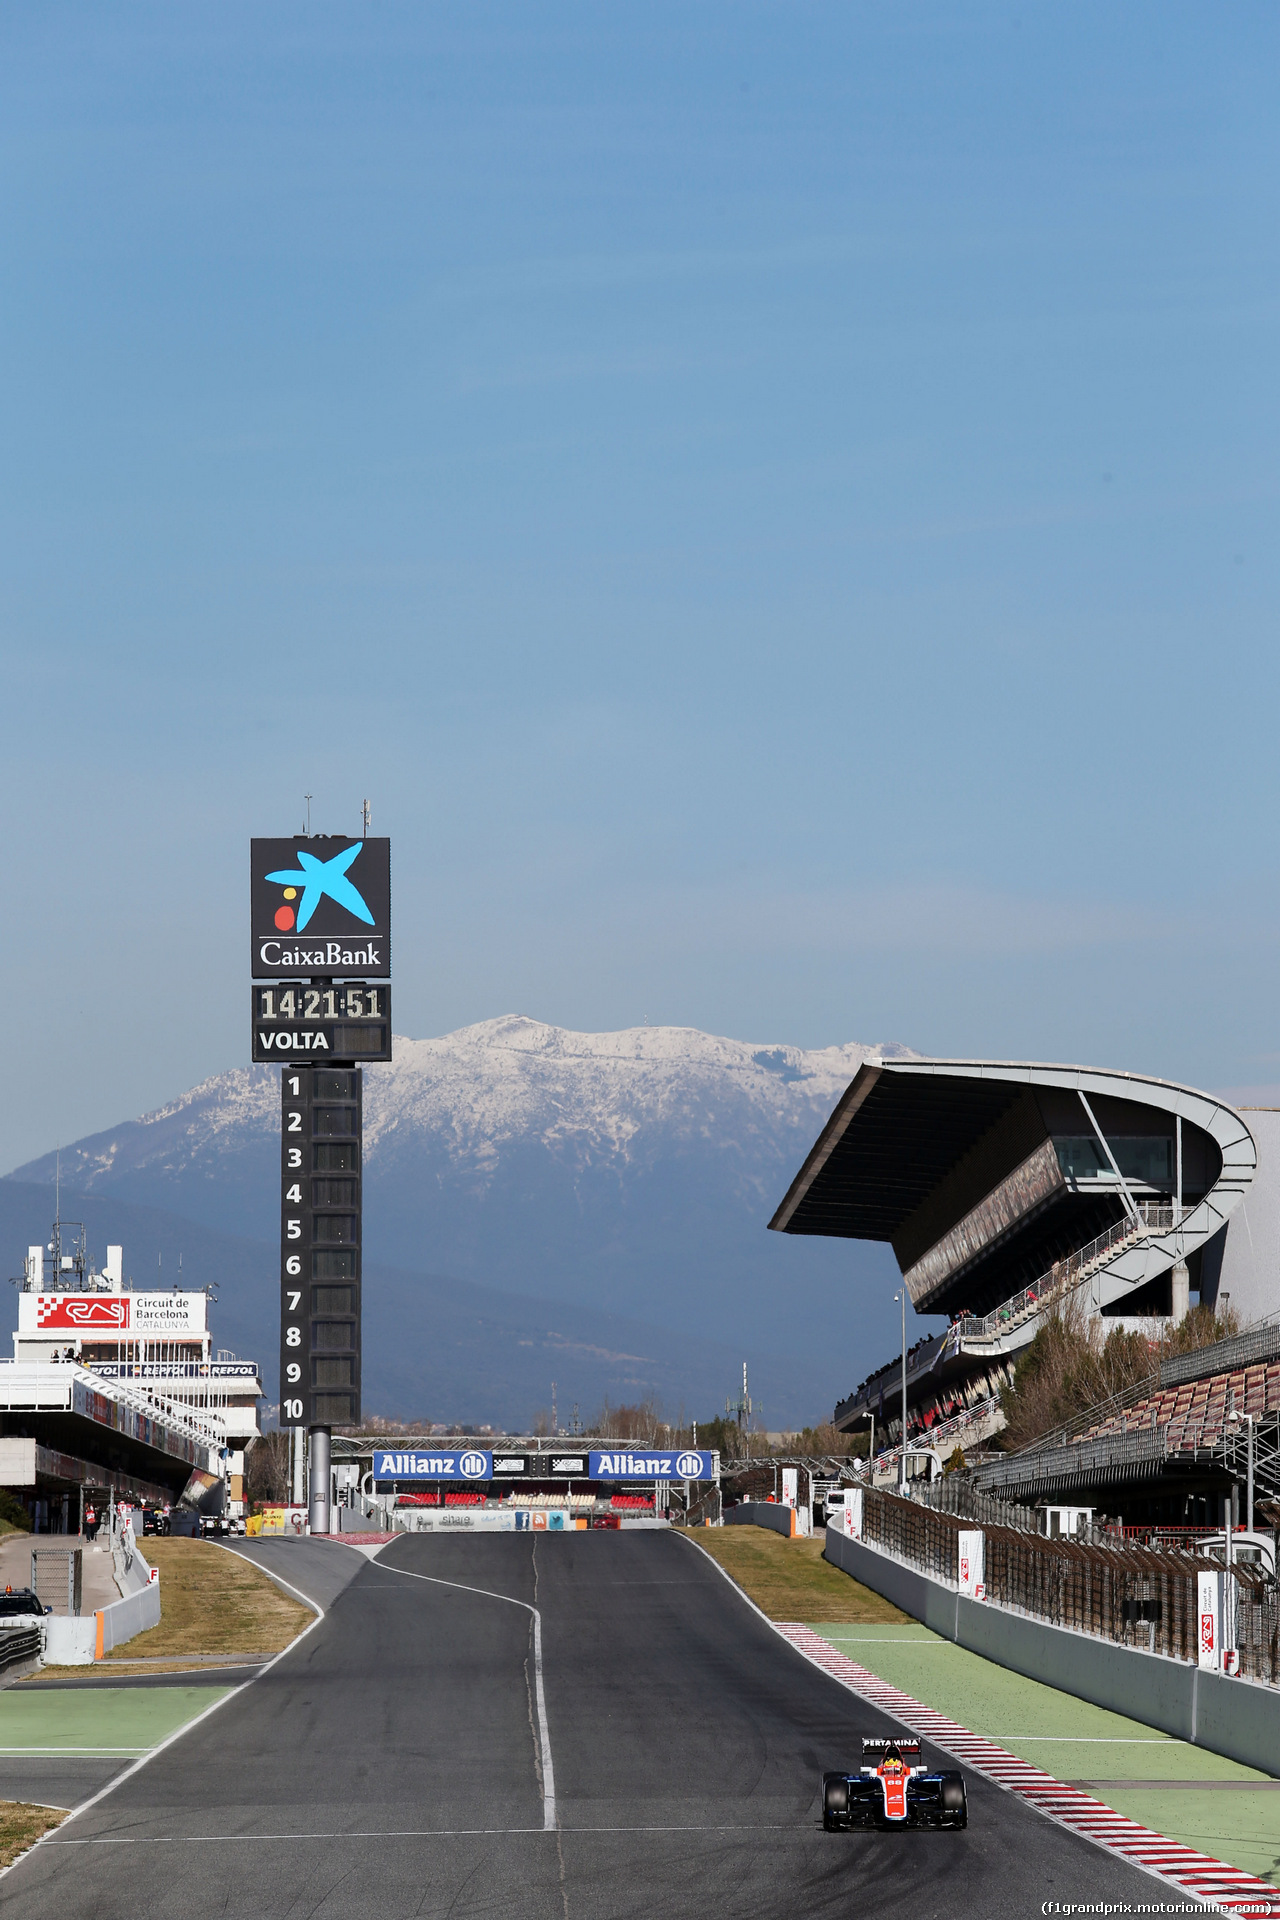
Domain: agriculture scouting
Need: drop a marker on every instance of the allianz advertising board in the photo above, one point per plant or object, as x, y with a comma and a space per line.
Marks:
476, 1463
651, 1463
472, 1463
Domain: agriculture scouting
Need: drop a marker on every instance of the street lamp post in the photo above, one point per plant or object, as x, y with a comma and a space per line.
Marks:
1248, 1504
902, 1456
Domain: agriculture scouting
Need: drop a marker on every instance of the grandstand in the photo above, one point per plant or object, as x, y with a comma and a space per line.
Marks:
1173, 1449
64, 1429
1007, 1190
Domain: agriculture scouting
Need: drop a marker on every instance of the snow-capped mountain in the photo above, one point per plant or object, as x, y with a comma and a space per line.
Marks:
629, 1172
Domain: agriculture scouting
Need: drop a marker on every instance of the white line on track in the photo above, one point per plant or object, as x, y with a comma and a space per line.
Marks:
392, 1833
544, 1736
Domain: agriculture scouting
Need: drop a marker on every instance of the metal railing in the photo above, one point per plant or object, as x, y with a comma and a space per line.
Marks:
956, 1494
1133, 1595
1115, 1456
1224, 1356
1064, 1276
954, 1427
207, 1426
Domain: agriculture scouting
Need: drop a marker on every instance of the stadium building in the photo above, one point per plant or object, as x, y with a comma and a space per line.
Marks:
1005, 1189
116, 1390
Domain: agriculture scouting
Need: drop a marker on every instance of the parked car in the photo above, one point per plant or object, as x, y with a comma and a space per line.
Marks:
19, 1608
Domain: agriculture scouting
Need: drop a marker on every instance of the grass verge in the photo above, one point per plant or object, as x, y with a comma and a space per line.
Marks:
212, 1601
22, 1825
789, 1579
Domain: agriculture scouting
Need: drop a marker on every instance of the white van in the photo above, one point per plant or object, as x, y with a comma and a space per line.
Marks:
1247, 1549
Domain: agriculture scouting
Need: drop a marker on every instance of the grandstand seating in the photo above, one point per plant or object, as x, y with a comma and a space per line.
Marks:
463, 1498
632, 1502
431, 1498
1195, 1414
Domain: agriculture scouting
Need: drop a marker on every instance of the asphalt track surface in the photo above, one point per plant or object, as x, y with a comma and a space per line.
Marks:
391, 1764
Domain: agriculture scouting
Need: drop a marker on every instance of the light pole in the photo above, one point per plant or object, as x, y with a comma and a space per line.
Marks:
902, 1456
871, 1445
1248, 1505
1248, 1418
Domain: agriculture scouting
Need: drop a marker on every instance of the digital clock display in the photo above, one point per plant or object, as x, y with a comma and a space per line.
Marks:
296, 1020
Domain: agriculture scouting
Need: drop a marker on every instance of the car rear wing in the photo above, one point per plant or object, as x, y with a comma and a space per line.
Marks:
874, 1751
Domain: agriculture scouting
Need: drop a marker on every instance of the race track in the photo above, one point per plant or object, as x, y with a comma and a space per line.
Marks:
392, 1764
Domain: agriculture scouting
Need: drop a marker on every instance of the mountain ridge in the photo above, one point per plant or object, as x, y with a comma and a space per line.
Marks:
630, 1173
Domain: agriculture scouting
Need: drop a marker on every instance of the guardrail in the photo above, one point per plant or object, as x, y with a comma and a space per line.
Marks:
1224, 1356
17, 1646
1112, 1457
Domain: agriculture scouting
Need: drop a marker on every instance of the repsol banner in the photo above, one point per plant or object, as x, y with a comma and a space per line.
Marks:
472, 1463
641, 1463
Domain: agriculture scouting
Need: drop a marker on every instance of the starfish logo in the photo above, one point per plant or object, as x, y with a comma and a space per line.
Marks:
316, 879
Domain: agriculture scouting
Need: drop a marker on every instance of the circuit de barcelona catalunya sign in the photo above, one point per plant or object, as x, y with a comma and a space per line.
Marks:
633, 1464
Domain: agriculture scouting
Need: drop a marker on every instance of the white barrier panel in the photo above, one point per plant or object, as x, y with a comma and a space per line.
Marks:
853, 1513
790, 1486
123, 1618
443, 1520
70, 1641
1209, 1615
972, 1554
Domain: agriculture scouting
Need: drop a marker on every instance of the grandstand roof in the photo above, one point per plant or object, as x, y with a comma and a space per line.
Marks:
960, 1164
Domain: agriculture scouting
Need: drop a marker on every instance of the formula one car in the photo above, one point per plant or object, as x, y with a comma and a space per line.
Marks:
893, 1789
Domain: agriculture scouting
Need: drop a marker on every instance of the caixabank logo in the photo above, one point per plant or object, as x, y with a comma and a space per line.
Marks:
320, 906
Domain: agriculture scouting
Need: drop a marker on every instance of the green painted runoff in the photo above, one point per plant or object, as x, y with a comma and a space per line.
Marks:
123, 1720
1074, 1740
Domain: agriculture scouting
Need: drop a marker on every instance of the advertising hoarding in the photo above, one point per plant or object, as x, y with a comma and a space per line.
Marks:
133, 1316
971, 1550
467, 1463
320, 907
653, 1463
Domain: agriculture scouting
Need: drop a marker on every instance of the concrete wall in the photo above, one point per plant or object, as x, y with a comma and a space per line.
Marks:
69, 1639
355, 1520
760, 1513
134, 1614
1250, 1270
77, 1641
1239, 1718
17, 1461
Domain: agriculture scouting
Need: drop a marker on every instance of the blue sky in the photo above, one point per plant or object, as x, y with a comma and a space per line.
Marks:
775, 506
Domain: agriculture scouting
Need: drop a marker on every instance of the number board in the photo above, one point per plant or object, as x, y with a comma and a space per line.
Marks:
320, 1218
347, 1021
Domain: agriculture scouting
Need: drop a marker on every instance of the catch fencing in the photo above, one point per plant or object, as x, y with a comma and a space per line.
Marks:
1133, 1595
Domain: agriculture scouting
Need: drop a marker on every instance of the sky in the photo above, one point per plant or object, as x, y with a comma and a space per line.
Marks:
773, 506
